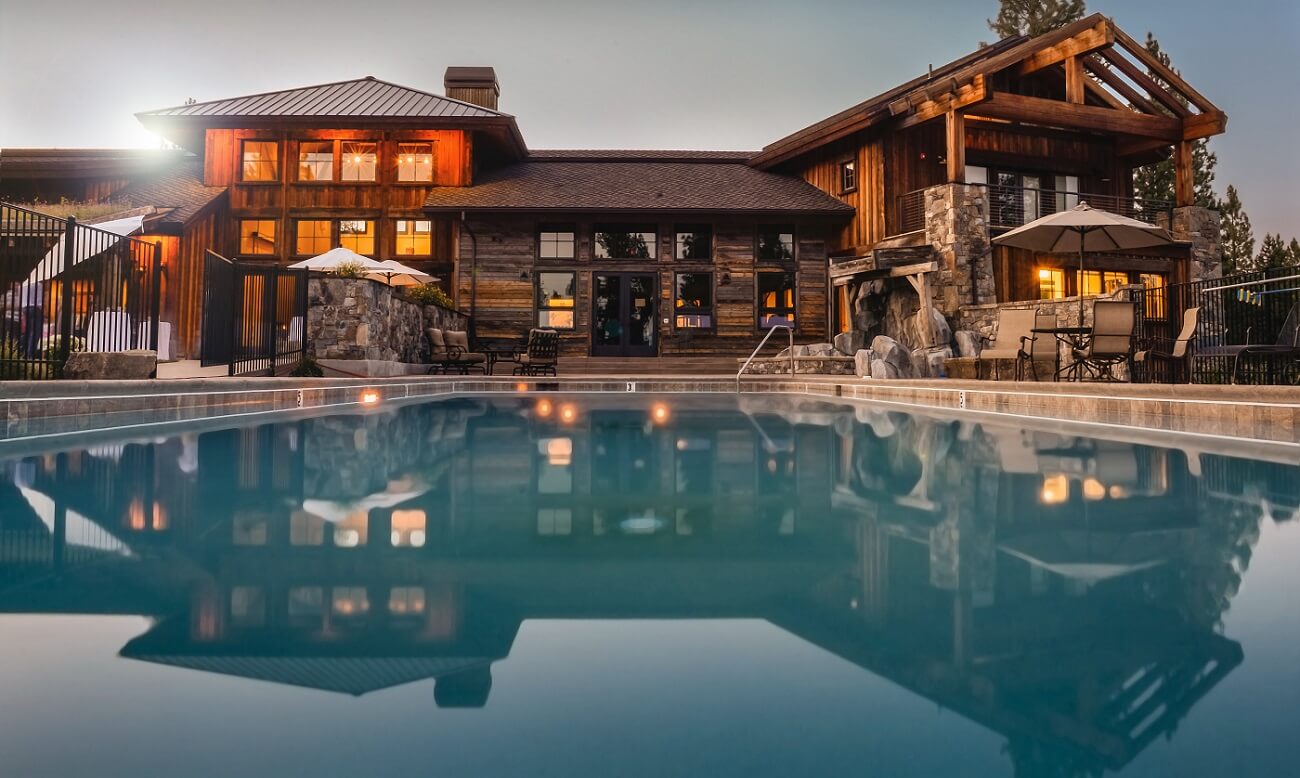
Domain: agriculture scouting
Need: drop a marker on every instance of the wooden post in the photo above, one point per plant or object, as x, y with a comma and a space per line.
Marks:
1184, 176
955, 123
1074, 81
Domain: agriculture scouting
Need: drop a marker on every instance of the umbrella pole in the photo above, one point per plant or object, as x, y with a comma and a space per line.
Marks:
1080, 289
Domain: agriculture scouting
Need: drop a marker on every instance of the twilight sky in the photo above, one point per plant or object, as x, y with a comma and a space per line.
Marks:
715, 74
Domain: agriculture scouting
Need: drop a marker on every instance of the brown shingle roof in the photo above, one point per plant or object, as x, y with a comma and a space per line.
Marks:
179, 188
358, 98
650, 185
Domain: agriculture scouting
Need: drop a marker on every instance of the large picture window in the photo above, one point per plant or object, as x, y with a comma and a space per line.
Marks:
555, 241
415, 162
693, 301
360, 161
555, 300
625, 242
316, 160
257, 237
775, 242
694, 241
313, 237
776, 297
261, 160
358, 235
414, 237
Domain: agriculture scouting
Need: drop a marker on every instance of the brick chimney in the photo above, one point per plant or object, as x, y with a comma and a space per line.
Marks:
477, 85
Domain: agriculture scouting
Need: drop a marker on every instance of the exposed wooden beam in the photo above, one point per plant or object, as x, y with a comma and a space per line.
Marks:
1111, 79
955, 130
1074, 79
1132, 147
1054, 113
1203, 125
1184, 175
1099, 36
1139, 76
1161, 69
1096, 90
964, 97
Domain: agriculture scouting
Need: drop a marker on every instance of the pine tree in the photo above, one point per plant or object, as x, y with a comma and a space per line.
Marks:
1035, 17
1272, 253
1294, 251
1236, 235
1156, 182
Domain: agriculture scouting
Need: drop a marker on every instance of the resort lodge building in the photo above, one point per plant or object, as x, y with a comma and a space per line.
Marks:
872, 221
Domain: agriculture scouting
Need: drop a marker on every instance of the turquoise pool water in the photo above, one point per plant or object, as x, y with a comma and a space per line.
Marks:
641, 586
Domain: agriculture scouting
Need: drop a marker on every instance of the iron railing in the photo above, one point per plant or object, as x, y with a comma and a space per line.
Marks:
1014, 206
67, 287
268, 327
1246, 308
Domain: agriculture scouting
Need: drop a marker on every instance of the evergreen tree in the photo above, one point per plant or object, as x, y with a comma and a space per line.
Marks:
1034, 17
1272, 253
1237, 237
1294, 251
1156, 182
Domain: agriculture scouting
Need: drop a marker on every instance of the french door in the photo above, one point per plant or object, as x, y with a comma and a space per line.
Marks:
623, 314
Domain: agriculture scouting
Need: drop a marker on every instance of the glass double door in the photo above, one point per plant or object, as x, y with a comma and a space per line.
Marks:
623, 314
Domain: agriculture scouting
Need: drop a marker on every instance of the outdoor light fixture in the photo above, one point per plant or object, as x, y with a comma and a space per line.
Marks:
568, 414
369, 397
544, 408
659, 413
521, 387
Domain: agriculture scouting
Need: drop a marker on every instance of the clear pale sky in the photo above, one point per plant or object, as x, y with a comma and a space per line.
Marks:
728, 74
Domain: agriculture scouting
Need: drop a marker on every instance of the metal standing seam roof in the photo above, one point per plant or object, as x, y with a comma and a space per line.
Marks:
360, 97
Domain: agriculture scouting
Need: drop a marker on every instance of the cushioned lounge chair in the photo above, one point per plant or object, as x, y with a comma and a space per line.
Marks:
449, 350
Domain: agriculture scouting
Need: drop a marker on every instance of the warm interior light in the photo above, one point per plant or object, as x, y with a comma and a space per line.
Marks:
660, 413
1056, 490
369, 397
1093, 490
544, 408
568, 414
521, 387
357, 160
559, 452
1044, 274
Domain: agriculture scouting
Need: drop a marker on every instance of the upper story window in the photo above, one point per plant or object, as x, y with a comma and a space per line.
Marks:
625, 242
415, 162
775, 242
555, 241
360, 161
414, 237
694, 241
257, 236
848, 176
358, 235
261, 160
316, 160
313, 236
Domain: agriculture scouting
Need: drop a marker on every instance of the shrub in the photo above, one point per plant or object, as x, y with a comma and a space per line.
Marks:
350, 269
307, 368
429, 294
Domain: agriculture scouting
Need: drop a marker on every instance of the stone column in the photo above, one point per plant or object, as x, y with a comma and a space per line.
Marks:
1200, 226
956, 225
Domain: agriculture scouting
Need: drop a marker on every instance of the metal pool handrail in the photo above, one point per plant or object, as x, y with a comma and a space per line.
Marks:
789, 331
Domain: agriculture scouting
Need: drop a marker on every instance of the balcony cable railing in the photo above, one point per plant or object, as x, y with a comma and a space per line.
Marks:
1013, 206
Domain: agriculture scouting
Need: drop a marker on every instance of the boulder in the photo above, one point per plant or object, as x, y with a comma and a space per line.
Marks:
880, 369
969, 343
819, 350
850, 342
111, 365
862, 363
891, 352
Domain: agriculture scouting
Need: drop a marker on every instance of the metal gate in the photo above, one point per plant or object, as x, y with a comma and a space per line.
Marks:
68, 287
254, 316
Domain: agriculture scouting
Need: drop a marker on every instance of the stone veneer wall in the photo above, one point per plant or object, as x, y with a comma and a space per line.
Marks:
356, 318
956, 225
1203, 228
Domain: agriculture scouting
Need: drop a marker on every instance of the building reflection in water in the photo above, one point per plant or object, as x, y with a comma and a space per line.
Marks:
1064, 592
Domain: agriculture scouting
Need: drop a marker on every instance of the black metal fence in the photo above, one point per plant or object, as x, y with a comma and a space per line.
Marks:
254, 316
1244, 309
67, 287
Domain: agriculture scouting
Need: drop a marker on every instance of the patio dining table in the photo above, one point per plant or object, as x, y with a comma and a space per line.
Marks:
1073, 338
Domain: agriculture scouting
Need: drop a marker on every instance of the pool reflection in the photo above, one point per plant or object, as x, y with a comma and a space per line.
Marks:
1064, 592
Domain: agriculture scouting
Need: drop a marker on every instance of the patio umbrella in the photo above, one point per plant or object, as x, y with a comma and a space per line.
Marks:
397, 274
333, 258
1082, 229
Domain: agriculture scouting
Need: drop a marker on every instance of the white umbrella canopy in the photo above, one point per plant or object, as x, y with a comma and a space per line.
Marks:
333, 258
394, 273
1082, 229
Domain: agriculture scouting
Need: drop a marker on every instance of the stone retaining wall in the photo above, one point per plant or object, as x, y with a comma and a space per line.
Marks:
356, 318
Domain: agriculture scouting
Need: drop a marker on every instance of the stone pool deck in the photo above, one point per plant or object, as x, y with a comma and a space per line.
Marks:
1231, 414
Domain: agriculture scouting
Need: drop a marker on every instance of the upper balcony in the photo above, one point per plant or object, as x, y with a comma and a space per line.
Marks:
1012, 206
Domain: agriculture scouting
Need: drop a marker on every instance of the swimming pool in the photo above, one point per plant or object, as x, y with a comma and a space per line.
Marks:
552, 584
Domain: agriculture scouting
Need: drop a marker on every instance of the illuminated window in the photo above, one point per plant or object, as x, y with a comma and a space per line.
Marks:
257, 236
694, 301
247, 606
360, 161
306, 529
775, 242
414, 162
313, 236
554, 467
1094, 282
350, 601
316, 160
776, 299
358, 235
1051, 283
414, 237
406, 600
1157, 296
848, 176
1056, 490
555, 241
624, 242
694, 241
352, 531
408, 529
555, 299
261, 160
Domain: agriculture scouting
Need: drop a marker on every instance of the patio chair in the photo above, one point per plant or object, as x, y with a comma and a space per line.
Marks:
1286, 347
1015, 339
1182, 350
450, 350
541, 353
1111, 343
